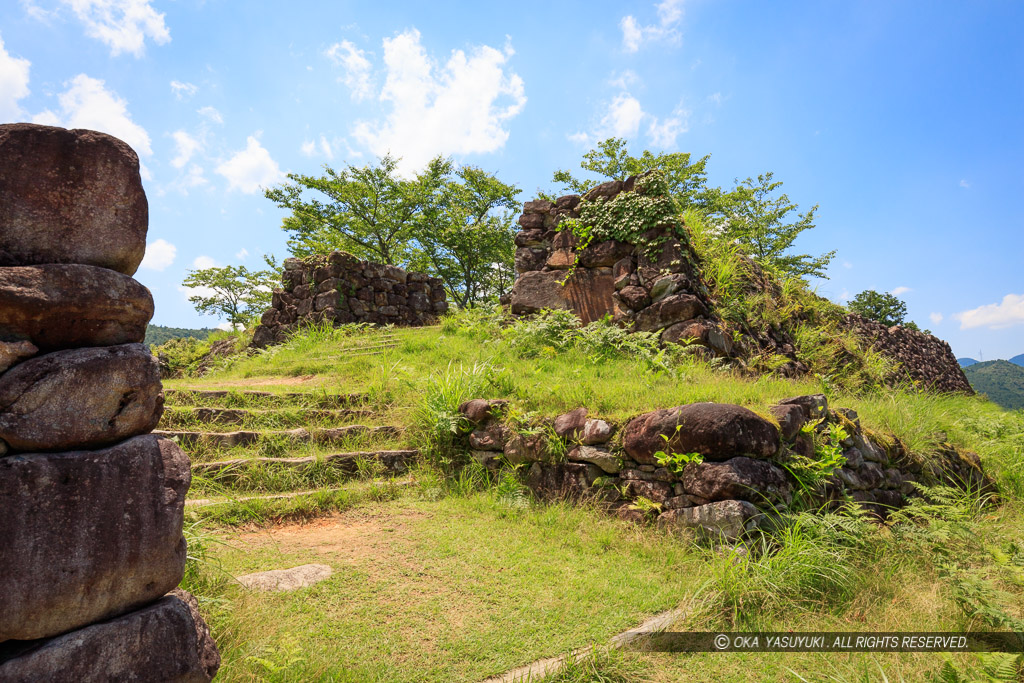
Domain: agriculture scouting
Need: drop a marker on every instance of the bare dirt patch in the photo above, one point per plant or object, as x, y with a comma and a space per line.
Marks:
271, 381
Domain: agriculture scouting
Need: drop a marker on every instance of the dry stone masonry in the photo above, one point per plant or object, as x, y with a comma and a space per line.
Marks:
745, 471
339, 288
657, 292
92, 503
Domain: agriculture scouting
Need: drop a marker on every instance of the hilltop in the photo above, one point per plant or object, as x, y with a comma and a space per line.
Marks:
1002, 381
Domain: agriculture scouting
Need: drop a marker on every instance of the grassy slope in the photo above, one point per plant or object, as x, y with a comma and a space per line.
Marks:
479, 581
1002, 381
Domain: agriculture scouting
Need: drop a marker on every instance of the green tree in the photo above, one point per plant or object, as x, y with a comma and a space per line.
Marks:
764, 225
611, 160
233, 292
884, 308
467, 236
369, 211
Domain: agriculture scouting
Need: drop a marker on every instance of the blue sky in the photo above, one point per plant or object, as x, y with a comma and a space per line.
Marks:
902, 121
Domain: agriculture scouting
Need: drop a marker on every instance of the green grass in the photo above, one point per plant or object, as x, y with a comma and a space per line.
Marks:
456, 578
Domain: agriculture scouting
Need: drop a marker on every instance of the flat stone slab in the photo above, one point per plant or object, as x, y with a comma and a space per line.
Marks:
286, 579
70, 196
60, 306
166, 641
88, 535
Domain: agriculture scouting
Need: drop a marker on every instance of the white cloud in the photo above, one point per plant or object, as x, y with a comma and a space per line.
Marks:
900, 290
251, 168
88, 104
186, 146
123, 25
203, 262
670, 12
211, 114
964, 183
623, 118
323, 146
192, 178
308, 148
182, 90
936, 318
242, 254
1007, 313
715, 98
459, 107
357, 68
159, 255
13, 84
847, 265
623, 80
844, 295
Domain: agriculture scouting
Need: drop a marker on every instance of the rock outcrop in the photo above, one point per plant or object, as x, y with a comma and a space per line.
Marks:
339, 288
93, 504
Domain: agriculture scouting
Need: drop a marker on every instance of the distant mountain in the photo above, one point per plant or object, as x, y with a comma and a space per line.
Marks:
158, 334
1001, 380
966, 362
1018, 360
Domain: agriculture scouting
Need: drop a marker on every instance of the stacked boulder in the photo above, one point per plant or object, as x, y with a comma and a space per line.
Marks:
714, 470
339, 288
93, 504
654, 292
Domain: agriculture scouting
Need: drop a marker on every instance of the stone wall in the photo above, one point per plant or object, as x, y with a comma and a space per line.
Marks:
925, 360
93, 504
742, 477
342, 289
660, 292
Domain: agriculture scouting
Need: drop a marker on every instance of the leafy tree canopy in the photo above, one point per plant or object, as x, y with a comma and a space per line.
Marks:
884, 308
233, 292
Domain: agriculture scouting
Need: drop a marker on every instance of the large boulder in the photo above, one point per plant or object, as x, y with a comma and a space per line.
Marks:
669, 311
166, 641
587, 292
724, 520
61, 306
70, 196
718, 431
80, 398
740, 478
88, 535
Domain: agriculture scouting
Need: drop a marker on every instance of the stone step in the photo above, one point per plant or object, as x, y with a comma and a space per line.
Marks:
393, 461
326, 436
236, 416
224, 500
211, 397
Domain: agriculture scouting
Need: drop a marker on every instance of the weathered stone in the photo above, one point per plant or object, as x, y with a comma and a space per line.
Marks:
572, 480
604, 254
597, 456
621, 271
490, 438
668, 311
588, 293
561, 259
634, 297
791, 419
61, 306
815, 406
608, 190
538, 206
524, 448
81, 398
738, 478
89, 534
479, 410
70, 196
595, 432
530, 238
718, 431
12, 353
166, 641
702, 332
647, 473
567, 202
531, 221
277, 580
656, 491
569, 425
727, 520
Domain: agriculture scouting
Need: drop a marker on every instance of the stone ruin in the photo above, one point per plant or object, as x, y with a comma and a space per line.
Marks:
341, 289
93, 504
744, 478
666, 294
